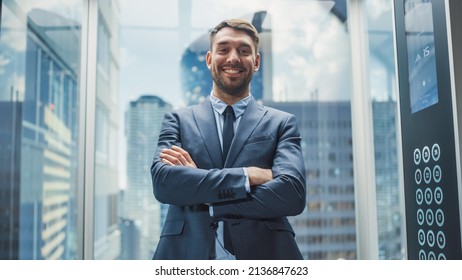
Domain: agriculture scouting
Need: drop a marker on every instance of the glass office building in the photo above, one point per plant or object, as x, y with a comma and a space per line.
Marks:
84, 85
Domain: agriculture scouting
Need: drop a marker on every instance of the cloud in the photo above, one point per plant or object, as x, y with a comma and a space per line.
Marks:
14, 32
311, 53
14, 24
127, 57
4, 61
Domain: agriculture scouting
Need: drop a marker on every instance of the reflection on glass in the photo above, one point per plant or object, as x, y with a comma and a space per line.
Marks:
382, 84
39, 66
107, 237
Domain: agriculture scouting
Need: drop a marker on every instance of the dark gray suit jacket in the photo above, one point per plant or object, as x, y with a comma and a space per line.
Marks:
258, 226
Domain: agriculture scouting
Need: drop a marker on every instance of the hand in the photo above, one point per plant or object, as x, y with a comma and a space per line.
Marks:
177, 156
258, 176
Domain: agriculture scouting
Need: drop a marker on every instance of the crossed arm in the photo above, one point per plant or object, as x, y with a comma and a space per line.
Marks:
264, 187
275, 192
177, 156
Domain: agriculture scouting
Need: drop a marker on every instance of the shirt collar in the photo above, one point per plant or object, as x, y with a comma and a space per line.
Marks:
239, 107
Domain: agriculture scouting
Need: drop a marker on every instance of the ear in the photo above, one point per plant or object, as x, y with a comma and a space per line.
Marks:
257, 63
208, 59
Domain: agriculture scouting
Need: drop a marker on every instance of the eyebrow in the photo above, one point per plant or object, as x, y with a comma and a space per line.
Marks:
226, 42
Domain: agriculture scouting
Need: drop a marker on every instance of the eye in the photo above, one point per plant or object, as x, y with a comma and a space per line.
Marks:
245, 51
222, 50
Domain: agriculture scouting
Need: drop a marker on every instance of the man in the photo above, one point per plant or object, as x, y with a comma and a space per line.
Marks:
229, 203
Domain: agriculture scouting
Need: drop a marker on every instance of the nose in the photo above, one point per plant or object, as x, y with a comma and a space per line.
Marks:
233, 57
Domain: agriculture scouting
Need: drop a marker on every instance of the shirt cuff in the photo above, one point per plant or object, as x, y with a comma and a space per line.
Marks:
247, 181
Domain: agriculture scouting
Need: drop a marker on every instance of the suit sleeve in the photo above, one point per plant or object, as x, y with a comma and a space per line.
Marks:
179, 185
285, 195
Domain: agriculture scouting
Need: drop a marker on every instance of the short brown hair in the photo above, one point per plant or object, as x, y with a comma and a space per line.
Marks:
237, 24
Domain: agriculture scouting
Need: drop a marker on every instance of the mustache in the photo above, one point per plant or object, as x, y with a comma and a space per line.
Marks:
235, 66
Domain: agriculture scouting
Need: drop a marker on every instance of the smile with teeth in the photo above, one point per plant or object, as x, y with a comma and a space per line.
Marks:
232, 71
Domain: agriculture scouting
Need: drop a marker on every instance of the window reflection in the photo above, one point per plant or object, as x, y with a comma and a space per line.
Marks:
383, 93
39, 64
107, 236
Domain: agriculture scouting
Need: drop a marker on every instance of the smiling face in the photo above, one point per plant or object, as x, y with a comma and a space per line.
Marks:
232, 62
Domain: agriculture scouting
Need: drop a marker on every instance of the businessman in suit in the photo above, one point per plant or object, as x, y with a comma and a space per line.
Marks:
230, 169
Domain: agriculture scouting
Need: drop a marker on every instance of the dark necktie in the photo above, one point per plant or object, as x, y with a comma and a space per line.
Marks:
228, 130
228, 134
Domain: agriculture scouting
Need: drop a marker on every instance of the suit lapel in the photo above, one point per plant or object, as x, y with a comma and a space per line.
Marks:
250, 119
205, 120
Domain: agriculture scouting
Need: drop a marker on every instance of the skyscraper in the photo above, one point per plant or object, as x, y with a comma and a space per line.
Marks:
39, 147
143, 120
390, 219
326, 229
10, 131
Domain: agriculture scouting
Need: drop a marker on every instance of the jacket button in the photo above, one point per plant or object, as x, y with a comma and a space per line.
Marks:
214, 225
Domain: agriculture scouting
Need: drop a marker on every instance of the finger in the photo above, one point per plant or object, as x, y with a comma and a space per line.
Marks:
170, 152
180, 150
182, 155
167, 162
172, 159
186, 156
175, 154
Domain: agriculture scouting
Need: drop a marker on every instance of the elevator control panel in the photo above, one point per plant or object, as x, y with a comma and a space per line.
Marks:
427, 131
429, 197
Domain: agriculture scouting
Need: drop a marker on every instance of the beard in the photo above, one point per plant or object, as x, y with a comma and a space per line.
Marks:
230, 85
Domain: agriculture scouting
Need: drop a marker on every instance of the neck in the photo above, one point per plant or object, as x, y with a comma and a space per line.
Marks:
228, 98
